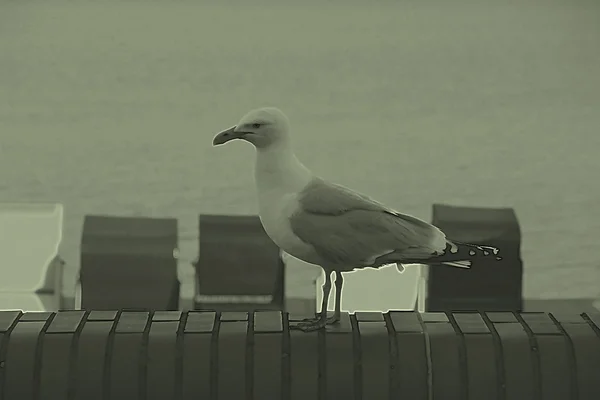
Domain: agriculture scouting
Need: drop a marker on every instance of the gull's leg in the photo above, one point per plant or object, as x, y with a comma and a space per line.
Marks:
339, 283
335, 318
323, 301
320, 321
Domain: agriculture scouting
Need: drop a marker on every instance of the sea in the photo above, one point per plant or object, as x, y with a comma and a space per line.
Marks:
109, 107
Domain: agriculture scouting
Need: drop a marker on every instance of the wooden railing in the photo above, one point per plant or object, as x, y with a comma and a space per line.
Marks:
232, 355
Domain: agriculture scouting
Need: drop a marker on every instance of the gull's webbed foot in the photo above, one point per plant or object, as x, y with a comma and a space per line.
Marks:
310, 325
313, 324
315, 319
330, 320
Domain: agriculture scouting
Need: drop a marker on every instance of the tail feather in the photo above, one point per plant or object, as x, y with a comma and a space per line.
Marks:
456, 254
458, 264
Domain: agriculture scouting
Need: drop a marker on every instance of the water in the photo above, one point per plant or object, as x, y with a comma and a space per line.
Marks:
110, 107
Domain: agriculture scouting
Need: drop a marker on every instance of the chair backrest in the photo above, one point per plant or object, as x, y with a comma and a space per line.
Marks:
129, 262
238, 265
30, 235
487, 285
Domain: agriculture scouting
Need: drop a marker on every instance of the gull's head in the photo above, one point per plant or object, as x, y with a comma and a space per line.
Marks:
263, 128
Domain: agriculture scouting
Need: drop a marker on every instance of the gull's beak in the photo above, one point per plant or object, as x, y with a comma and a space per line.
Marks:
227, 135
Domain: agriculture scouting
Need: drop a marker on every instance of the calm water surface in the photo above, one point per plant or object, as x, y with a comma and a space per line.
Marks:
110, 107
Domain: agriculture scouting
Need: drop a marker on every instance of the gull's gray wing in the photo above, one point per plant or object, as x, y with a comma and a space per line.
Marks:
345, 227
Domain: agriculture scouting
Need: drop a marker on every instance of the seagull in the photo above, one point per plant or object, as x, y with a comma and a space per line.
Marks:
329, 225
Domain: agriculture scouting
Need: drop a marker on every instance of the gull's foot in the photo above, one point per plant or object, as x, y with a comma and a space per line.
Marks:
330, 320
314, 324
310, 325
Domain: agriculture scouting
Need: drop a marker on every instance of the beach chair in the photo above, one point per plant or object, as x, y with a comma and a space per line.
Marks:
31, 270
238, 267
129, 262
489, 284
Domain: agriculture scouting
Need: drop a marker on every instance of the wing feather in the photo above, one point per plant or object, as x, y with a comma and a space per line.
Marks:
346, 227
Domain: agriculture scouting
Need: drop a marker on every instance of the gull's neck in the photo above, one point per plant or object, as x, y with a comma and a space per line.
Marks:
278, 168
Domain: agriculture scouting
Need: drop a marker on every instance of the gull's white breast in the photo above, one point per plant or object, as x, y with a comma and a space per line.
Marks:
275, 210
279, 178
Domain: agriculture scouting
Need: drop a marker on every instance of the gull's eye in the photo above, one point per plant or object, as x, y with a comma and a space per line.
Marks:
255, 126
